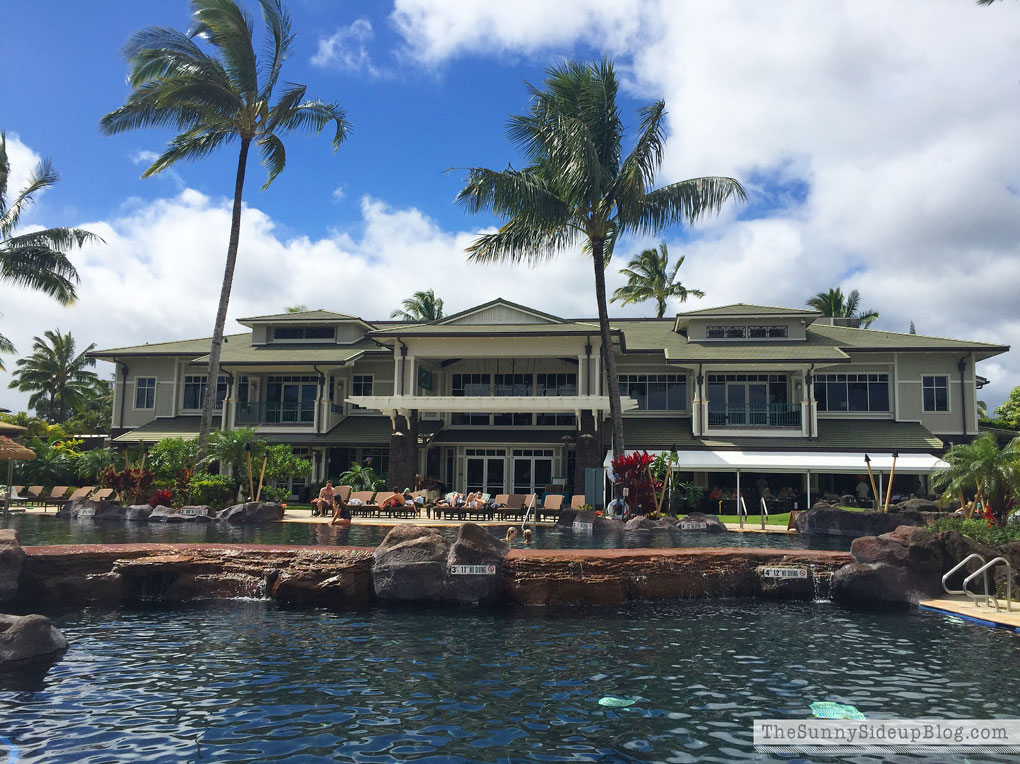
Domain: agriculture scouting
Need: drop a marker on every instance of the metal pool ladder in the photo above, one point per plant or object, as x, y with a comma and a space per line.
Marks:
764, 513
988, 598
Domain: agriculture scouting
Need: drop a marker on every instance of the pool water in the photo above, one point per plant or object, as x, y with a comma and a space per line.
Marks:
38, 530
251, 682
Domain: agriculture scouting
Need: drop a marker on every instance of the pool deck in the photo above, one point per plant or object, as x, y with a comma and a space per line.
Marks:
304, 517
960, 606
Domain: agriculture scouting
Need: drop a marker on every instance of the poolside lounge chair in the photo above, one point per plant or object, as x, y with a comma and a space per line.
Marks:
344, 491
515, 507
28, 495
376, 505
103, 494
577, 500
80, 493
552, 503
57, 496
366, 507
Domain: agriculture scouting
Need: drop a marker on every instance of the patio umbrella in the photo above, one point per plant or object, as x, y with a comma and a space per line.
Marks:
12, 452
12, 430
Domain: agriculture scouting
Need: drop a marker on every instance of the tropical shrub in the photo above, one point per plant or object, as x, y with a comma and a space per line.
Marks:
54, 461
273, 493
130, 483
217, 491
161, 497
978, 529
1009, 411
362, 478
282, 466
983, 470
168, 457
632, 472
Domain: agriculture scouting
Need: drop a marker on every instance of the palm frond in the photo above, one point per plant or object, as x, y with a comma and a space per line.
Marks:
39, 268
313, 116
42, 178
273, 156
518, 242
512, 193
189, 145
227, 27
278, 44
686, 201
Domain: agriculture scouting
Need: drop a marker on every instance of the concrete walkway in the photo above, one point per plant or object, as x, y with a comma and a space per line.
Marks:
963, 607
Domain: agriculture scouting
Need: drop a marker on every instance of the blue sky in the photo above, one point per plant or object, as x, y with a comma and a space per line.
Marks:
877, 142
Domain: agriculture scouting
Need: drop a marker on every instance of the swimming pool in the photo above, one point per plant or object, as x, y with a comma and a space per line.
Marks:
37, 530
250, 682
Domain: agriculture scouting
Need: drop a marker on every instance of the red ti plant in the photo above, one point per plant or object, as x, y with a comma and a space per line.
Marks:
161, 497
632, 473
130, 484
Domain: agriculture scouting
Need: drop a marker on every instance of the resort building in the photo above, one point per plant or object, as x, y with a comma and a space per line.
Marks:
504, 398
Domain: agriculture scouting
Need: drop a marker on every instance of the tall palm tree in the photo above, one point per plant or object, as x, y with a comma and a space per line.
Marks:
649, 277
421, 307
214, 98
990, 473
581, 186
833, 303
58, 377
37, 260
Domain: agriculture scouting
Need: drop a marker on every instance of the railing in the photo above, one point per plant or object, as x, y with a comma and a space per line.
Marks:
754, 415
275, 413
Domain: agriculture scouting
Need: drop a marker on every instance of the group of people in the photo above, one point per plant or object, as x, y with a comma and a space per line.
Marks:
330, 499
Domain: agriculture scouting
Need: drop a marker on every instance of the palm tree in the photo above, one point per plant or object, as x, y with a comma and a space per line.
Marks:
214, 100
580, 186
37, 260
58, 378
421, 307
649, 278
231, 448
981, 468
833, 303
300, 308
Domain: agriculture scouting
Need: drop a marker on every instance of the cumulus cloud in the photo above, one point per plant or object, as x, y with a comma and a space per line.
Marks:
896, 121
23, 162
347, 49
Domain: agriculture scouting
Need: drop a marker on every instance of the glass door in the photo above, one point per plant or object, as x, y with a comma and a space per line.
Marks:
484, 470
533, 469
758, 403
522, 475
735, 403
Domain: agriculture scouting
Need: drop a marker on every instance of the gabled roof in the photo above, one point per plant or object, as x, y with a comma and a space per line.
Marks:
538, 324
852, 338
188, 348
165, 427
304, 315
500, 302
744, 309
243, 353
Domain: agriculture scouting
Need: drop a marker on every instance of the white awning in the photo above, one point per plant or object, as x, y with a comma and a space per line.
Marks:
797, 461
489, 404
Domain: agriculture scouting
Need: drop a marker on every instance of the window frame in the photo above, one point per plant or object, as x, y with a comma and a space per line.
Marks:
848, 380
667, 379
155, 386
934, 387
304, 334
222, 379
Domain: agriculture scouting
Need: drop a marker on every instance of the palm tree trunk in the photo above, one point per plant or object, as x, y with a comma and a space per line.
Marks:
608, 358
208, 400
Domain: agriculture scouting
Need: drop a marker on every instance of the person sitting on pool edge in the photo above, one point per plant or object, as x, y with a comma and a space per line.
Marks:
341, 511
324, 500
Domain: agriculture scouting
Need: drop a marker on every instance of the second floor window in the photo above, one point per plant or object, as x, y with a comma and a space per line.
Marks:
852, 392
194, 391
655, 392
935, 392
471, 384
361, 384
304, 333
556, 384
514, 384
145, 392
746, 332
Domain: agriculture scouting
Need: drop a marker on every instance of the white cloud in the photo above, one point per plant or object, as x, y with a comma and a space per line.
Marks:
339, 194
900, 121
347, 48
23, 162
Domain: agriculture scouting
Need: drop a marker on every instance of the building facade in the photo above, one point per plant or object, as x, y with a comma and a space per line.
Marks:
507, 399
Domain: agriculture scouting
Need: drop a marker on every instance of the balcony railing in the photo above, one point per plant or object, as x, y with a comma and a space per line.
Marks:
275, 413
755, 415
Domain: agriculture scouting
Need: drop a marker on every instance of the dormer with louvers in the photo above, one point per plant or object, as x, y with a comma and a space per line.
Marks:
310, 327
741, 323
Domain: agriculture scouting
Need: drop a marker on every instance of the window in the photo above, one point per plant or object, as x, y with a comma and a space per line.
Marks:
145, 392
747, 332
655, 392
194, 391
361, 384
556, 384
291, 399
304, 333
935, 392
471, 384
852, 392
514, 384
558, 420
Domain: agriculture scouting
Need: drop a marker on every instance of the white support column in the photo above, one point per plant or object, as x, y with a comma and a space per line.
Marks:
582, 375
805, 407
807, 476
412, 377
881, 492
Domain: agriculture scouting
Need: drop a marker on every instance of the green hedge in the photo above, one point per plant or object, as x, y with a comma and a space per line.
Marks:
978, 529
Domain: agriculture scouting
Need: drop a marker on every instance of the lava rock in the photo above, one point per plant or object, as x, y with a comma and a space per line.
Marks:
916, 505
163, 514
253, 512
410, 565
474, 546
87, 508
830, 521
916, 549
712, 524
29, 637
875, 585
566, 517
137, 512
955, 548
12, 559
198, 513
640, 523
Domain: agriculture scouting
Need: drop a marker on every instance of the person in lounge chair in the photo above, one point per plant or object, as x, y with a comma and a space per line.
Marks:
452, 499
341, 512
324, 501
396, 500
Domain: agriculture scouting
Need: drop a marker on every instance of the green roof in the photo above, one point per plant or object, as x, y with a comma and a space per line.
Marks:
243, 353
305, 315
743, 309
488, 330
500, 301
166, 427
851, 338
354, 430
189, 348
833, 435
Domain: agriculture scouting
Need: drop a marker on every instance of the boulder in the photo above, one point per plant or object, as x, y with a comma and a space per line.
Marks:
831, 521
137, 512
253, 512
909, 547
474, 546
163, 514
12, 559
607, 525
410, 565
957, 547
712, 524
666, 523
875, 585
29, 637
640, 523
87, 508
914, 504
588, 516
566, 517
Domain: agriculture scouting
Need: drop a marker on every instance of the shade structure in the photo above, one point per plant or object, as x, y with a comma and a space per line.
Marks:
12, 452
798, 461
12, 430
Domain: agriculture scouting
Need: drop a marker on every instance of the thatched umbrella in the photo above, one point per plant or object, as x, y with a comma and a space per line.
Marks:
12, 430
12, 452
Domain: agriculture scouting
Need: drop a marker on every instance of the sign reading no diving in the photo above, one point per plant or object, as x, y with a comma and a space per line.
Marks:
473, 570
693, 526
87, 512
784, 572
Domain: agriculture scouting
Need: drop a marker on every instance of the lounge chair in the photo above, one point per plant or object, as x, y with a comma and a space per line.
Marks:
377, 503
103, 494
57, 496
344, 491
366, 507
80, 493
28, 495
514, 509
552, 503
577, 501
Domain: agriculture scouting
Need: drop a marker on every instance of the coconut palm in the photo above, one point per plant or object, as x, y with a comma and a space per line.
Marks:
421, 307
649, 277
580, 186
58, 377
981, 468
833, 303
214, 98
36, 260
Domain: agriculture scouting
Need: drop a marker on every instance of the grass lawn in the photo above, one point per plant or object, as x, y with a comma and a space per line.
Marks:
782, 519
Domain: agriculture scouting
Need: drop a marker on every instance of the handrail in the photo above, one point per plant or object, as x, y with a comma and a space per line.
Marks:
964, 561
527, 510
764, 512
741, 504
990, 597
